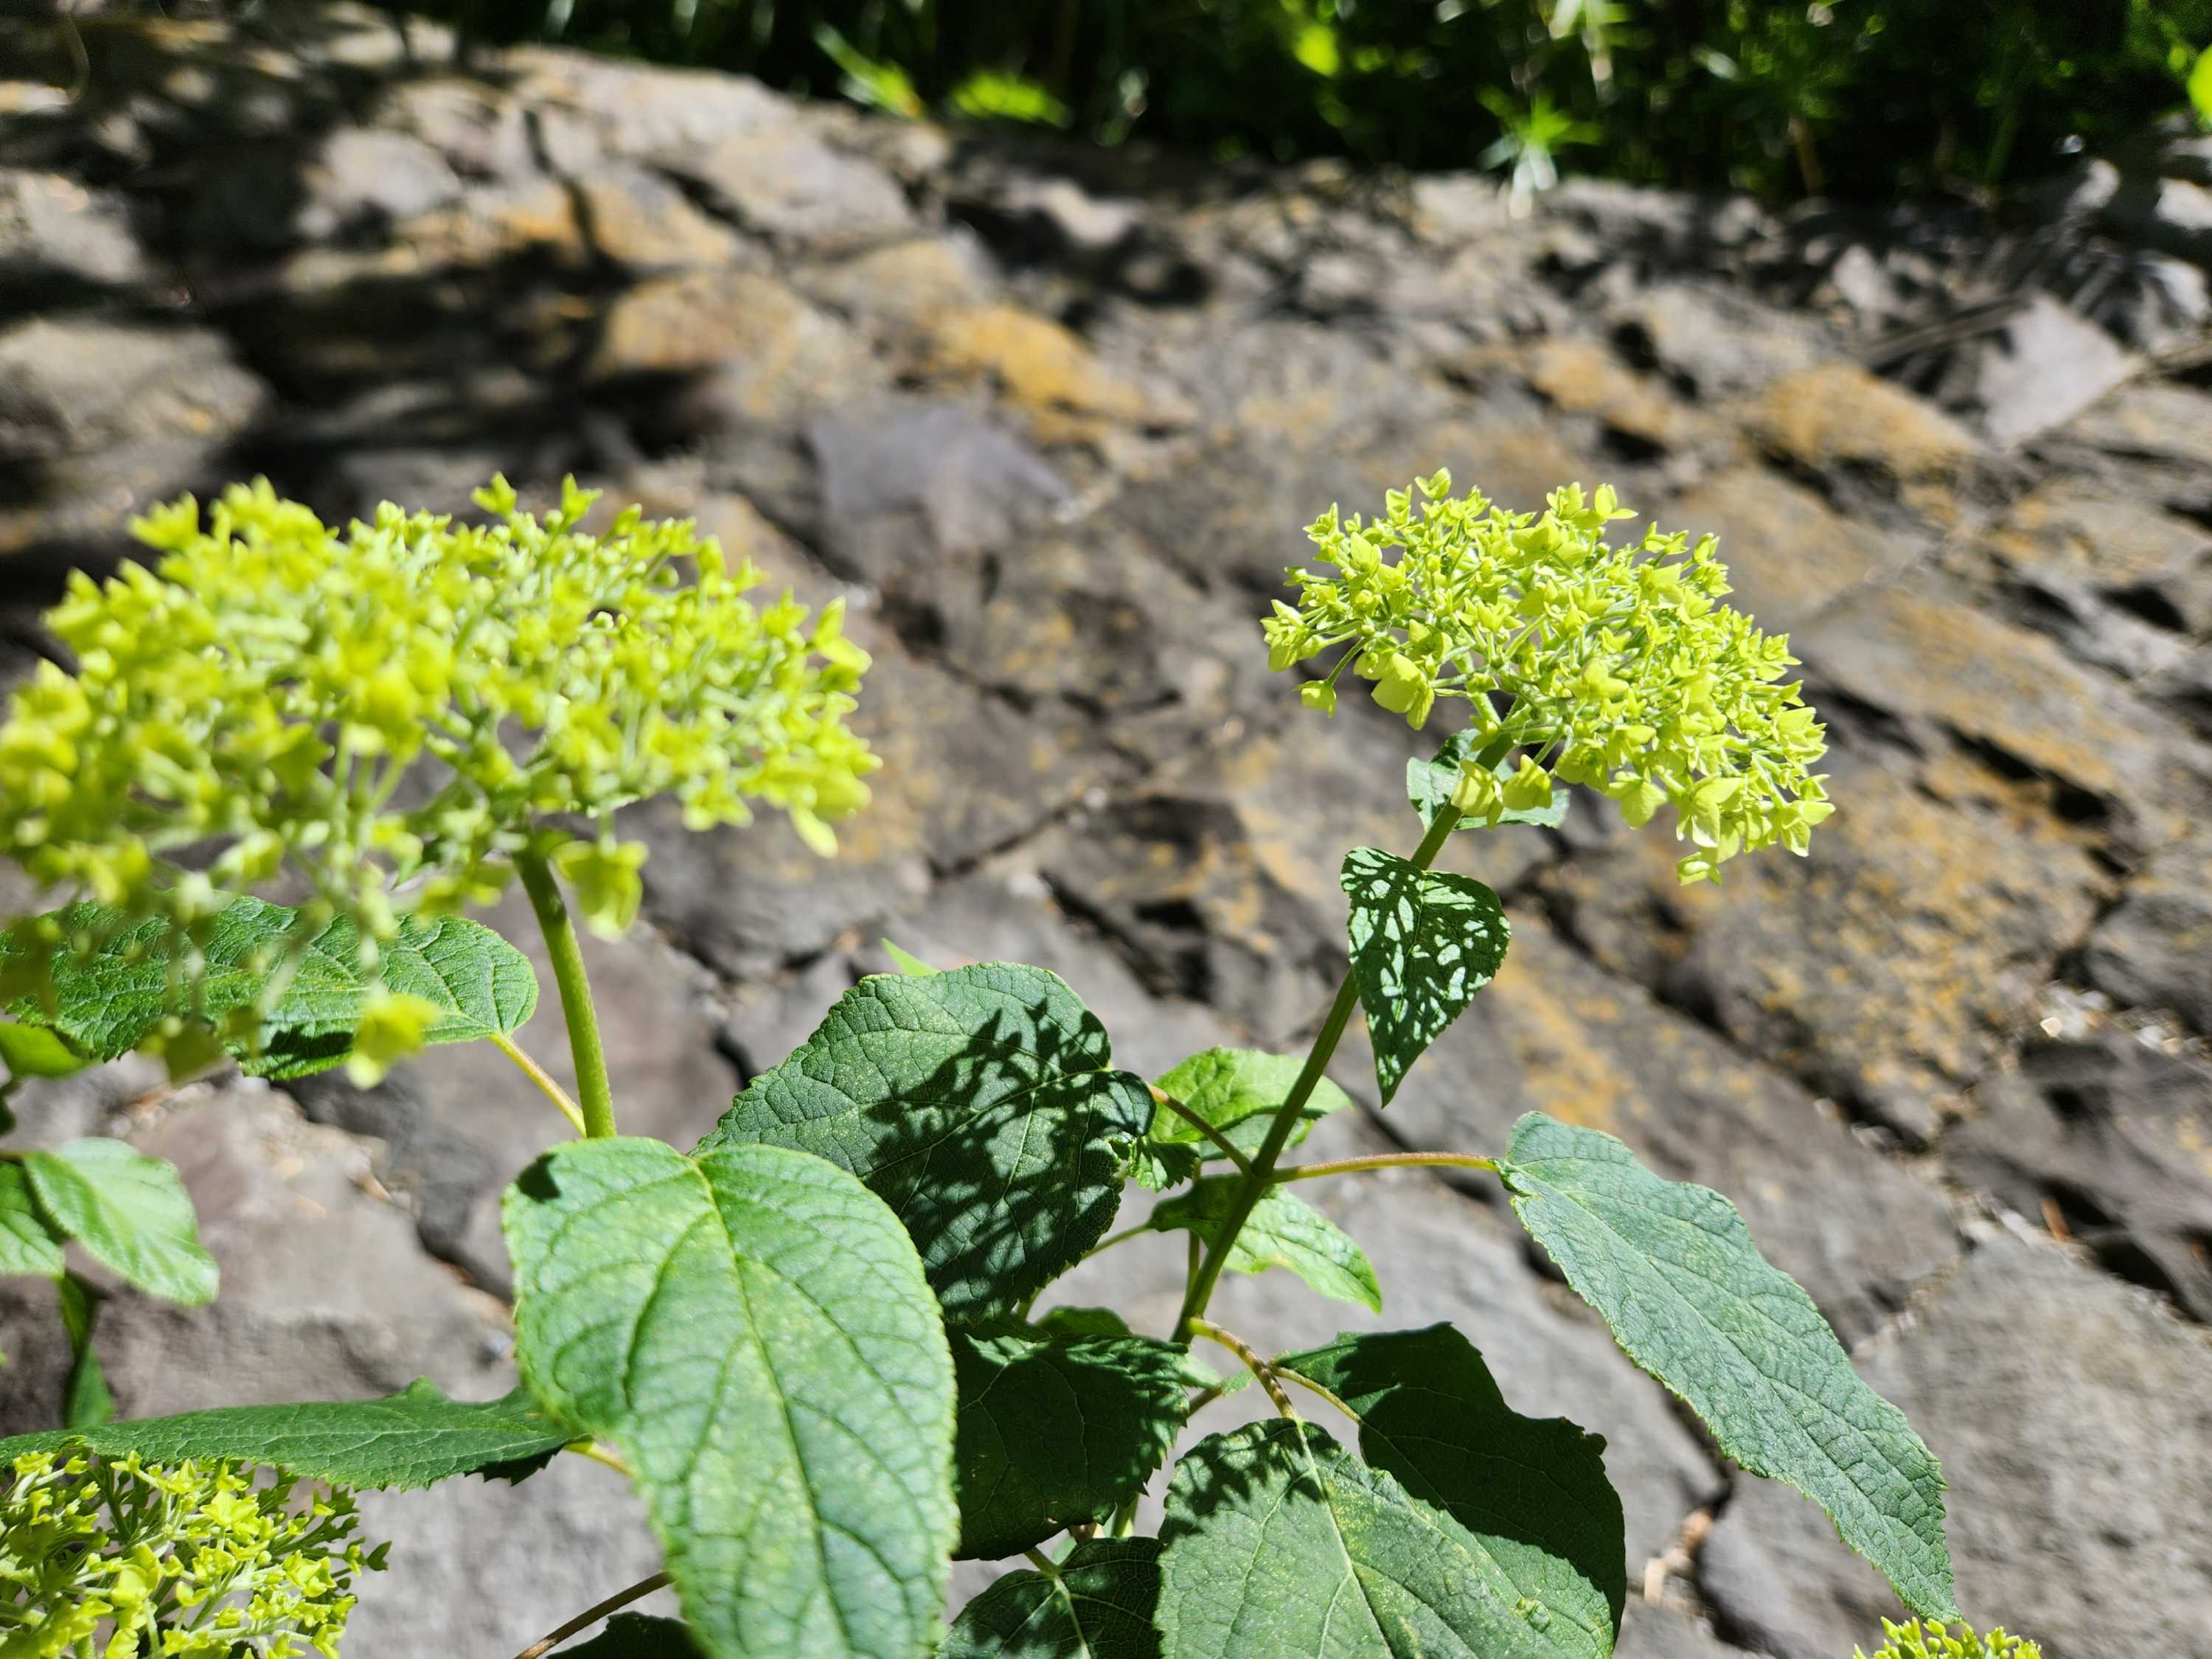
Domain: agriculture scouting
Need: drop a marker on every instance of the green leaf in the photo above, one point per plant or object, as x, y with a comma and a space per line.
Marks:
978, 1104
85, 1401
1237, 1092
2200, 85
130, 1211
34, 1051
633, 1636
1082, 1322
1422, 944
1054, 1431
1097, 1604
107, 1002
408, 1440
1531, 1491
1430, 783
1283, 1231
1277, 1540
28, 1243
751, 1327
1674, 1270
906, 962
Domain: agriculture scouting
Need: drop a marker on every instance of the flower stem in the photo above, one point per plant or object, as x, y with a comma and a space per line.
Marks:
568, 958
1385, 1161
1257, 1178
538, 1075
614, 1603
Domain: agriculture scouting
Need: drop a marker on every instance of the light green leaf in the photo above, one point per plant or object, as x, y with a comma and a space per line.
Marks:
28, 1243
752, 1330
85, 1401
906, 962
1531, 1491
1237, 1092
979, 1105
131, 1213
1283, 1231
107, 1002
1056, 1430
1674, 1270
1277, 1540
408, 1440
633, 1636
34, 1051
1097, 1604
1422, 944
1430, 783
2200, 85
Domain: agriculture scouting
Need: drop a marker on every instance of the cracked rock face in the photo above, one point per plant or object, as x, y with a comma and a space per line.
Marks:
1051, 424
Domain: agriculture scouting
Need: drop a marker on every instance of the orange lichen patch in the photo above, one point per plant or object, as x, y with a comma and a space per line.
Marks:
1838, 414
1917, 651
1583, 379
1069, 395
2110, 538
1788, 553
1562, 1070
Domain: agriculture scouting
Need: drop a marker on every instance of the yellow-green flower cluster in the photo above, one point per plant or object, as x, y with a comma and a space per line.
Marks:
1618, 668
1913, 1640
385, 714
121, 1558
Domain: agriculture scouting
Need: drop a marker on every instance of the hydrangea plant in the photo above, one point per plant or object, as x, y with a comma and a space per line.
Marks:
287, 757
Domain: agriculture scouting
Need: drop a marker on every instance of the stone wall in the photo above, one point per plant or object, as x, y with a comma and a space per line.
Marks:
1051, 421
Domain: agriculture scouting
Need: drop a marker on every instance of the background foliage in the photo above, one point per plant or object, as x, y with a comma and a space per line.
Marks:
1863, 98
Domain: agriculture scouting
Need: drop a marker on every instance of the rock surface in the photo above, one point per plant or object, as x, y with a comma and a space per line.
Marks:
1050, 422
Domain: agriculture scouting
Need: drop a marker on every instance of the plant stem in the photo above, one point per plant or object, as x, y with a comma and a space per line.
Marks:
1385, 1161
1244, 1350
538, 1075
1258, 1178
614, 1603
1229, 1148
568, 959
1105, 1244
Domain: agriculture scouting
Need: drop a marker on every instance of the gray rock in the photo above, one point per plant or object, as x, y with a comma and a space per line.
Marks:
1712, 341
1654, 1631
370, 178
71, 387
1940, 912
58, 235
1554, 1034
2084, 188
791, 187
912, 484
2047, 365
2152, 949
2170, 215
2074, 1419
2114, 1137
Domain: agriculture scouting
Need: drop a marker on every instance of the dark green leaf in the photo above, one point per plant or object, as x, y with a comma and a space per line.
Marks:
1283, 1231
1097, 1604
35, 1051
979, 1105
130, 1211
107, 1002
1237, 1092
413, 1438
1054, 1431
752, 1330
85, 1401
1430, 783
28, 1243
1531, 1491
1674, 1270
1277, 1540
1422, 944
1083, 1322
633, 1636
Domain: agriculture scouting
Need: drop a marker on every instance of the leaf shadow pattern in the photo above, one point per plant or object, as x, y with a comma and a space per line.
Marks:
1422, 943
980, 1103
